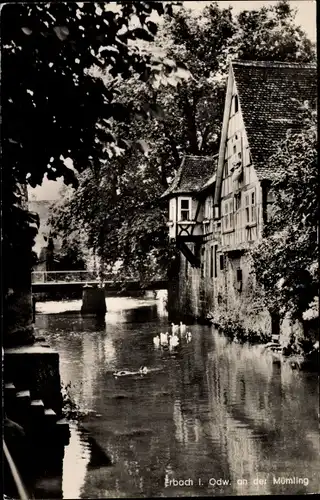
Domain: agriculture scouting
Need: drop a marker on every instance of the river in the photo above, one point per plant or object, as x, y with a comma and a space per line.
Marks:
215, 417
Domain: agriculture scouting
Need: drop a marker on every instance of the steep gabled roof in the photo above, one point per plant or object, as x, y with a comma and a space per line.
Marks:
270, 94
192, 175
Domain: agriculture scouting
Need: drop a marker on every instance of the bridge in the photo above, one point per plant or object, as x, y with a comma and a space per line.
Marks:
74, 281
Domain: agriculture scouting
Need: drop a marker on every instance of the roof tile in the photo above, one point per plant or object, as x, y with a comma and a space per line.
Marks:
193, 173
270, 94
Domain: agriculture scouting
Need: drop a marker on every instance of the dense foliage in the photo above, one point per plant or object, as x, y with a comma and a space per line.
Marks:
286, 258
118, 203
55, 106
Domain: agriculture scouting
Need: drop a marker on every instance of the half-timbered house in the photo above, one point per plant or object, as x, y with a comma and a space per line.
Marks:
229, 198
191, 227
262, 103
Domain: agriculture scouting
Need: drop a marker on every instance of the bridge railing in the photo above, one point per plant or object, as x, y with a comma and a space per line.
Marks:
41, 277
64, 276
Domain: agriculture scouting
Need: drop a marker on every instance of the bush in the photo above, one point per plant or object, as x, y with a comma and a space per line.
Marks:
234, 330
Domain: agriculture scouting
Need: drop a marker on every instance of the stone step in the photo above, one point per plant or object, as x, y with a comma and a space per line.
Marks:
21, 405
50, 416
35, 368
9, 394
9, 391
62, 430
9, 386
36, 408
23, 395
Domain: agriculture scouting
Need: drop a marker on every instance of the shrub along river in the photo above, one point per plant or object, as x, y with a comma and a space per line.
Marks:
214, 418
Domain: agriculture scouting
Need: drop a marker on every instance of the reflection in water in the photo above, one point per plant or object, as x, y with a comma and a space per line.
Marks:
76, 460
81, 455
213, 410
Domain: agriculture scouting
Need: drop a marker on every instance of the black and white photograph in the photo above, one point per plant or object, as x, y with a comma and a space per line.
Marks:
159, 250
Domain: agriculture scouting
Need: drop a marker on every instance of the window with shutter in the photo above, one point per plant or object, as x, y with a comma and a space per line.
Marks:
228, 222
250, 207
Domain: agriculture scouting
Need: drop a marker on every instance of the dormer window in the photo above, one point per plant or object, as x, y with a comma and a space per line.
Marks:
185, 209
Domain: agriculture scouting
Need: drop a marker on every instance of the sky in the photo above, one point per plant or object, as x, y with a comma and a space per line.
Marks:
306, 15
306, 18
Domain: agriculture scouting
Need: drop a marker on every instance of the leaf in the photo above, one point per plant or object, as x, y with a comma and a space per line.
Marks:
62, 32
105, 136
142, 146
152, 27
125, 143
142, 34
156, 111
26, 31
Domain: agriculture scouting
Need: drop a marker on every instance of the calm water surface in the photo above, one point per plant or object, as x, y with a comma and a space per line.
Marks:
214, 412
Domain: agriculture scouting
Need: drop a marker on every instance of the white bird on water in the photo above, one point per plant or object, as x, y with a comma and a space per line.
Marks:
173, 340
156, 341
183, 327
164, 338
174, 328
188, 336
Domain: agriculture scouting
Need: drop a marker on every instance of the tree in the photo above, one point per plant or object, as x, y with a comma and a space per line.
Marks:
285, 260
120, 207
54, 106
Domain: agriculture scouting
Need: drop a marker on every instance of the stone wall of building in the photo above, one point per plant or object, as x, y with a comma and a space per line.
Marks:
190, 294
238, 299
196, 293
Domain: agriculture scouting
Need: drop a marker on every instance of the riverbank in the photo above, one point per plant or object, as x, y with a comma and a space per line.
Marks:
304, 357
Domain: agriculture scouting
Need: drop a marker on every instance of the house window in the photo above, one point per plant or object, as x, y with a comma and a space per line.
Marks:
247, 159
211, 261
236, 104
208, 210
172, 210
239, 280
215, 262
185, 209
216, 212
228, 215
237, 201
221, 262
250, 207
226, 171
202, 263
